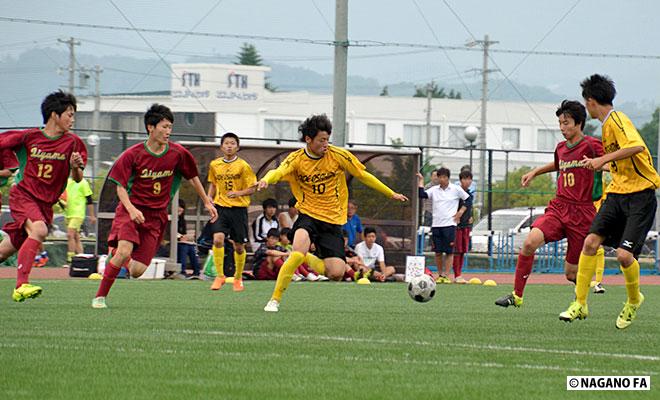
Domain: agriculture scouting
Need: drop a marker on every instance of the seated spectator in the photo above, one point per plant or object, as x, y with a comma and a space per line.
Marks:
353, 224
264, 223
353, 260
186, 248
269, 257
288, 217
374, 256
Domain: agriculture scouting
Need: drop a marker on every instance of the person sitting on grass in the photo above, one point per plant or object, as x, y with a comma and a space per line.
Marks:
269, 257
374, 256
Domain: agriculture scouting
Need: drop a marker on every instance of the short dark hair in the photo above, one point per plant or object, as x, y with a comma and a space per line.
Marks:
269, 202
444, 172
182, 203
313, 125
466, 167
156, 113
465, 174
600, 88
292, 202
573, 109
285, 231
273, 232
57, 102
230, 135
369, 230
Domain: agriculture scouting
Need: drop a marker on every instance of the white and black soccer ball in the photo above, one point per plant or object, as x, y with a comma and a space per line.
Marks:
421, 288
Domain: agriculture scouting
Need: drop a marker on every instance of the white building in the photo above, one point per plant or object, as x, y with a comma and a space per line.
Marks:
210, 99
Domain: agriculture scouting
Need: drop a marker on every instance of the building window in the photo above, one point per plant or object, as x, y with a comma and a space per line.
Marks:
511, 135
548, 139
281, 129
189, 119
456, 137
415, 135
376, 133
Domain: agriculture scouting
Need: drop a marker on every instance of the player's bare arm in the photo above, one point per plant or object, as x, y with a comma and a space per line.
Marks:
77, 166
135, 214
526, 179
244, 192
598, 162
210, 208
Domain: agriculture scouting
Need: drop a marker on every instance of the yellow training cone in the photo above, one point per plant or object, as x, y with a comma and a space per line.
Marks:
475, 281
363, 281
95, 276
490, 282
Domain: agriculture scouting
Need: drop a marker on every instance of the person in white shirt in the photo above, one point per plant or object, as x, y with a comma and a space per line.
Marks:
444, 198
373, 256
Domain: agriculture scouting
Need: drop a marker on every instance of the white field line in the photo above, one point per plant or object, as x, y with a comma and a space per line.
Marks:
259, 356
425, 344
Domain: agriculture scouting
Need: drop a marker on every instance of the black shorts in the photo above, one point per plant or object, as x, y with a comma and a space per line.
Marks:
625, 219
233, 222
327, 237
443, 239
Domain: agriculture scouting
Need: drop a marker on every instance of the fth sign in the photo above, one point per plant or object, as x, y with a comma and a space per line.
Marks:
237, 81
218, 82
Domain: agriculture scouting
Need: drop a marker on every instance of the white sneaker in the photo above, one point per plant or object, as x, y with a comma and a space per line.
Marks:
312, 278
296, 278
460, 280
272, 306
323, 278
99, 302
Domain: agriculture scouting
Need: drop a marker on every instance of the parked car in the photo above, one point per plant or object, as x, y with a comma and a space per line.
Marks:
516, 222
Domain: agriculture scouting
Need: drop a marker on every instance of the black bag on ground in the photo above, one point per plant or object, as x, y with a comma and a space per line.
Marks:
82, 267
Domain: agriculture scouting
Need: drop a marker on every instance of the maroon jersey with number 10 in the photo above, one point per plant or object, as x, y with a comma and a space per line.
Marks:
575, 183
152, 179
44, 161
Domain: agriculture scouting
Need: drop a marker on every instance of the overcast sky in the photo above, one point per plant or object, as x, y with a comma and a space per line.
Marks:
595, 26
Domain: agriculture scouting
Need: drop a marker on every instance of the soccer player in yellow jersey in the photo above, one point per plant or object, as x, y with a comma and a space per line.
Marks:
316, 176
232, 181
627, 214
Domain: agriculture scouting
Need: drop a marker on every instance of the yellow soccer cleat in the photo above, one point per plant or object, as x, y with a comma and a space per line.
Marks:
443, 279
26, 291
628, 313
575, 311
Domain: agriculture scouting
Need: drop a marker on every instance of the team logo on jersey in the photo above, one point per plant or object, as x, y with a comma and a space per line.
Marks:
564, 165
313, 178
227, 177
150, 174
43, 155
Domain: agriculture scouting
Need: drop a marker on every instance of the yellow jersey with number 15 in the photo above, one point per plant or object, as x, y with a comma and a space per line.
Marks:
231, 176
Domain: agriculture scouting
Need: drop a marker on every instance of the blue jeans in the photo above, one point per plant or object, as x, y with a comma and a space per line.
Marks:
186, 250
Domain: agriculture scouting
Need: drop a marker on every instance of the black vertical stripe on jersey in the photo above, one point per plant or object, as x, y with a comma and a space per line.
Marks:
640, 173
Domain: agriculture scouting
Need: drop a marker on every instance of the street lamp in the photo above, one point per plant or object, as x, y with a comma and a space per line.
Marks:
93, 140
471, 133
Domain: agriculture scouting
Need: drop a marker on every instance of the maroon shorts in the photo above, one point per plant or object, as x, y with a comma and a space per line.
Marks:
267, 274
462, 240
25, 207
146, 237
565, 220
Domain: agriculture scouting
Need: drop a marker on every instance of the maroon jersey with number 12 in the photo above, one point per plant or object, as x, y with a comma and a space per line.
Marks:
152, 179
575, 183
44, 161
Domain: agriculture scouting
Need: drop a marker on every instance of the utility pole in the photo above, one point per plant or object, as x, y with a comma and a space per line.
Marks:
481, 139
340, 71
97, 97
429, 89
71, 42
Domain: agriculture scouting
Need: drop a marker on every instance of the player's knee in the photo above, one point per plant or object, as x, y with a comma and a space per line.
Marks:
218, 240
334, 275
528, 247
624, 257
591, 245
571, 276
137, 269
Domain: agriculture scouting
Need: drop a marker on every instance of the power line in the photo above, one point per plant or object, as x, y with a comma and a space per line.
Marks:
353, 43
323, 18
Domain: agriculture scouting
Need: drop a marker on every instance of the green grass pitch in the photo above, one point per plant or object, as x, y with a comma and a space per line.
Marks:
179, 340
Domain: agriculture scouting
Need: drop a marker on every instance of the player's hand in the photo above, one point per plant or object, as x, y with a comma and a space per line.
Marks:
261, 185
526, 179
420, 179
232, 195
136, 215
457, 218
211, 210
76, 160
399, 197
592, 163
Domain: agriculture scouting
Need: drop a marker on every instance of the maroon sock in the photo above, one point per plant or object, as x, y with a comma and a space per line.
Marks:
349, 274
26, 255
109, 276
302, 270
523, 269
458, 264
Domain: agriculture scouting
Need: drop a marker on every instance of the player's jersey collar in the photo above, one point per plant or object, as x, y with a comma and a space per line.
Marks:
308, 154
570, 146
608, 115
167, 147
229, 161
43, 132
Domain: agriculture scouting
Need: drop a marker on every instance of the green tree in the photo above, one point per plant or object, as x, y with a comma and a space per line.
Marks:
537, 194
649, 133
248, 55
385, 91
436, 92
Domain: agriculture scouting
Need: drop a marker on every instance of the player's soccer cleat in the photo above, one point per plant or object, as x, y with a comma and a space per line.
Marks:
272, 306
628, 313
323, 278
442, 279
218, 282
460, 280
238, 285
598, 288
99, 302
575, 311
26, 291
509, 300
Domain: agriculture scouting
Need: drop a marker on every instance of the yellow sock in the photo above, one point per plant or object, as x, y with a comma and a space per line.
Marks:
219, 260
600, 264
315, 263
239, 260
286, 272
631, 274
586, 269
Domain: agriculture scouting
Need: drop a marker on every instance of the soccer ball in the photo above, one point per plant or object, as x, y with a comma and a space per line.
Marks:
421, 288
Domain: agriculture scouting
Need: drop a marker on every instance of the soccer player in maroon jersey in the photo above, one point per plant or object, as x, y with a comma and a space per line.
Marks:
570, 213
46, 156
147, 174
